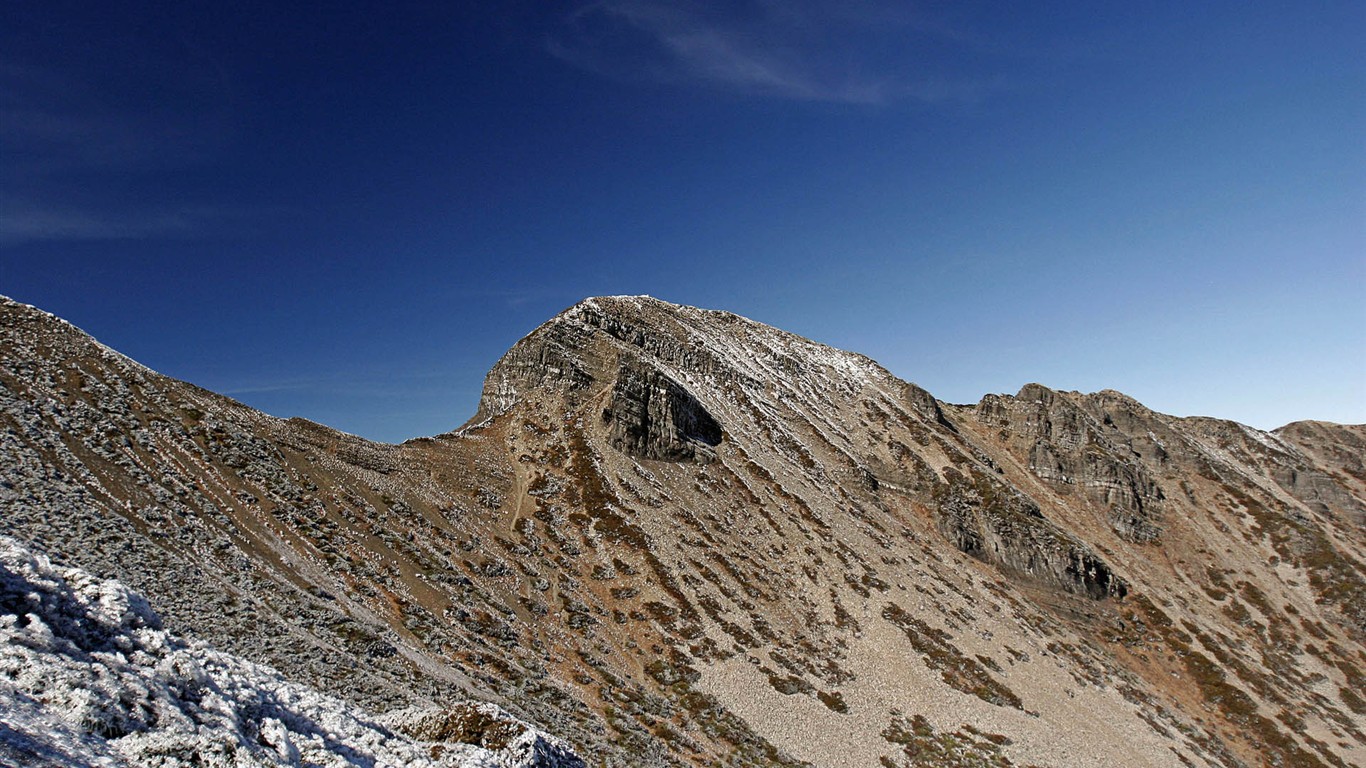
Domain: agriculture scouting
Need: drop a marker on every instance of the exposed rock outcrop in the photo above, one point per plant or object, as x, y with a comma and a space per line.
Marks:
1318, 464
995, 523
554, 356
487, 727
1339, 448
651, 416
1070, 449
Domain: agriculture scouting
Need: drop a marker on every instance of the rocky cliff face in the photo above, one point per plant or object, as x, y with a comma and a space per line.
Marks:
1073, 451
995, 523
675, 536
650, 416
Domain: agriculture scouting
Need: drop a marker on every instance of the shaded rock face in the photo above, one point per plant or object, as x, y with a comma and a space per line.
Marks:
1070, 449
1318, 490
652, 417
996, 524
925, 405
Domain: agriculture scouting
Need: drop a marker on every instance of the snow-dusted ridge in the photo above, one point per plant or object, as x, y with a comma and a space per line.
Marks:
88, 677
48, 320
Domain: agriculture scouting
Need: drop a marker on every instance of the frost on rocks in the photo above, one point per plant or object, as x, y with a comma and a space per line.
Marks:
89, 677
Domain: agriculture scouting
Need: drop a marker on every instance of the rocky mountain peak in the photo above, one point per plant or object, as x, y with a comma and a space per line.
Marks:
586, 342
657, 367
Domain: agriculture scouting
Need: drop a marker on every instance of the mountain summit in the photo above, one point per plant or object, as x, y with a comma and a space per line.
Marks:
675, 536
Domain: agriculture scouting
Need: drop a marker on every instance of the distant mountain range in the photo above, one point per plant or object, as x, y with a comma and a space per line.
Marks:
678, 537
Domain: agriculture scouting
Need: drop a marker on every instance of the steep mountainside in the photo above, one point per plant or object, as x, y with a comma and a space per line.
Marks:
676, 536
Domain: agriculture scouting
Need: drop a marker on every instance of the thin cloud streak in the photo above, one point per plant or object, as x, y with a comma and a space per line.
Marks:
813, 52
23, 223
53, 123
17, 227
64, 141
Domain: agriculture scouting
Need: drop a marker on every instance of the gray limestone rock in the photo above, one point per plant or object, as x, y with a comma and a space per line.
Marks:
996, 524
1070, 449
651, 416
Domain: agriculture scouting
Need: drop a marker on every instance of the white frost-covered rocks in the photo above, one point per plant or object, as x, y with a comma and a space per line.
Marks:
89, 677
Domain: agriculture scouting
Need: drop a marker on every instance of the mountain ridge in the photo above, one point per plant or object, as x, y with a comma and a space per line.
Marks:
665, 524
473, 419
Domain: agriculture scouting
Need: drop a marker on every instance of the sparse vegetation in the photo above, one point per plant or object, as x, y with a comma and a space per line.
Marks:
957, 669
920, 744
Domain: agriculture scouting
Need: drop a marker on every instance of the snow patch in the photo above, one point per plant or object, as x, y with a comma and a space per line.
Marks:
88, 676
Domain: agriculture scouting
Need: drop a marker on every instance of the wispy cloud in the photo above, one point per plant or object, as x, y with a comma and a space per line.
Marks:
51, 122
76, 157
261, 389
26, 222
850, 52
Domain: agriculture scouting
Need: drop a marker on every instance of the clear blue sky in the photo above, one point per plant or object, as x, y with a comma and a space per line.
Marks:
349, 213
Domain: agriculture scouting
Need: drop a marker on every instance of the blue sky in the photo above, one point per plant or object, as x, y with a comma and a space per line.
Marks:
348, 214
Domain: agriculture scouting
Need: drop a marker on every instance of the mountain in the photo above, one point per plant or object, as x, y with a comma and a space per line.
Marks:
675, 536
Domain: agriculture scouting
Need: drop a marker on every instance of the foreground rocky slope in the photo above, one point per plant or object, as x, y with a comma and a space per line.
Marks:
89, 676
678, 537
